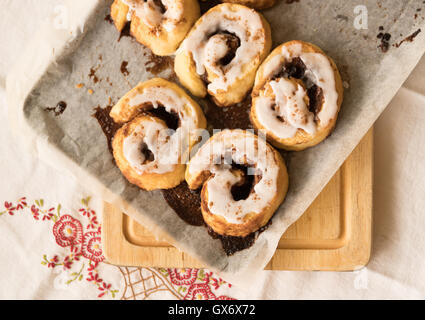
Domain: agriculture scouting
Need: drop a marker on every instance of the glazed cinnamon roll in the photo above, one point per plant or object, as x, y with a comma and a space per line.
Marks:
297, 96
243, 180
161, 25
161, 125
222, 53
255, 4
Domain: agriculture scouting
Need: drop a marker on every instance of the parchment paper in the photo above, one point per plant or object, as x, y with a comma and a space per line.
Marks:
60, 58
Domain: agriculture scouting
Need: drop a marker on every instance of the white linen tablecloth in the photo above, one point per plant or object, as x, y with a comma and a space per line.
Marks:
40, 208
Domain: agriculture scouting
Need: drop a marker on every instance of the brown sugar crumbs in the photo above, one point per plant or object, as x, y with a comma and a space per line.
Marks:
156, 64
385, 39
124, 69
58, 109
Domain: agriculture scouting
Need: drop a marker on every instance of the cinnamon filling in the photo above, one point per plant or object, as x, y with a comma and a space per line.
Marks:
149, 156
109, 127
294, 69
207, 5
171, 119
233, 43
243, 188
232, 244
315, 95
186, 203
297, 69
126, 31
233, 117
162, 8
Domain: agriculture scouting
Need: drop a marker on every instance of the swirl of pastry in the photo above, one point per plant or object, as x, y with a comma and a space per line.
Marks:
255, 4
222, 53
297, 96
243, 179
161, 25
161, 125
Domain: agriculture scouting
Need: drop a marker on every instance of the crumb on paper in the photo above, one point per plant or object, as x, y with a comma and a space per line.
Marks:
384, 39
90, 91
124, 69
80, 85
408, 39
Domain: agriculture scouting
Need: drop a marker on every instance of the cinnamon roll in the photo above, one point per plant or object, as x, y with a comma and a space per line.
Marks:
297, 96
161, 125
161, 25
255, 4
243, 180
222, 53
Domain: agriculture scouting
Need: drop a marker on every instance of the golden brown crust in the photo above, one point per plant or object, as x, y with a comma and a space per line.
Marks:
302, 139
162, 42
147, 181
186, 70
255, 4
252, 221
132, 118
119, 13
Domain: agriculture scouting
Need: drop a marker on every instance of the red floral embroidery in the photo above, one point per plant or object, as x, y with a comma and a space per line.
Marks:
200, 291
35, 212
87, 212
52, 263
178, 278
225, 298
10, 208
67, 262
92, 246
94, 278
104, 288
85, 243
22, 203
68, 231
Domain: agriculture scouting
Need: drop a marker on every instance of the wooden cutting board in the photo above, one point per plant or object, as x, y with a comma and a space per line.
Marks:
333, 234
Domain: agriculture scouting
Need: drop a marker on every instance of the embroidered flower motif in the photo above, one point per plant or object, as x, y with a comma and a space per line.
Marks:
48, 215
10, 208
68, 231
35, 212
94, 278
93, 224
22, 203
200, 291
67, 263
87, 212
85, 243
52, 262
92, 246
182, 277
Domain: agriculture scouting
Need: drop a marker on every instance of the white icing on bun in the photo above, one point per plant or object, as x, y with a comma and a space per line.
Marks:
148, 152
222, 52
297, 109
245, 23
152, 14
211, 167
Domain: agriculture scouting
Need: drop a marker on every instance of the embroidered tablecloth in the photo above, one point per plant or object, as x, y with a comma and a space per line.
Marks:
50, 245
